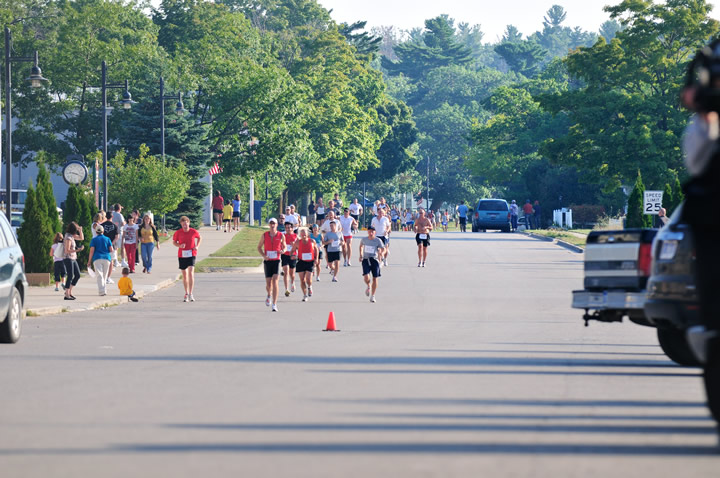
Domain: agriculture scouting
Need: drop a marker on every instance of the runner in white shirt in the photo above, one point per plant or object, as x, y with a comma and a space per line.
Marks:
355, 211
382, 230
325, 228
348, 224
290, 217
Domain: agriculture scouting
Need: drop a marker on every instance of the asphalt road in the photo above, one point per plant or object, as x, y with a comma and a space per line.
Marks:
472, 366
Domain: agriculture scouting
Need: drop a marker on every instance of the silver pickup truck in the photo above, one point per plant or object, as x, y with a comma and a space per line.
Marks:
617, 268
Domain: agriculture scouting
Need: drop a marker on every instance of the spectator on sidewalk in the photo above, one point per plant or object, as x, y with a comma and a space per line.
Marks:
125, 285
130, 234
149, 240
513, 215
57, 252
528, 212
236, 212
101, 249
217, 204
74, 233
111, 232
538, 215
119, 221
227, 216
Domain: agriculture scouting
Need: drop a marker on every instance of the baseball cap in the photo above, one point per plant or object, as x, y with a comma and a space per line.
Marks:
99, 229
272, 219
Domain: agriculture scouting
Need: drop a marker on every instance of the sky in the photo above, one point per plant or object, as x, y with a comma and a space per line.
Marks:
492, 15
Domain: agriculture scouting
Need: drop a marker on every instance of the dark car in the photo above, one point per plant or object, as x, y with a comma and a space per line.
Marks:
491, 214
12, 284
672, 302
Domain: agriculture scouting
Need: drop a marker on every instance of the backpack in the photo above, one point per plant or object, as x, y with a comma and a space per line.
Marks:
59, 252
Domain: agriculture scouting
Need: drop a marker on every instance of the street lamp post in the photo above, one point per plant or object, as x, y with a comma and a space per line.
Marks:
36, 80
179, 110
428, 184
126, 103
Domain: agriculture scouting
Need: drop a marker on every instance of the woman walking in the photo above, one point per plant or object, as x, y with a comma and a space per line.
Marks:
57, 252
74, 233
148, 241
101, 249
236, 213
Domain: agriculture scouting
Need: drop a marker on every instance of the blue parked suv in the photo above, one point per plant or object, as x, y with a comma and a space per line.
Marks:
13, 284
491, 214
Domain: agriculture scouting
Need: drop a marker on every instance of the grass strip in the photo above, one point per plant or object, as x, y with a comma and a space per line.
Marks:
243, 244
563, 236
209, 263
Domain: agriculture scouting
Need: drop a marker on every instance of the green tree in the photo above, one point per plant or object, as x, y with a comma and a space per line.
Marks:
678, 196
636, 217
523, 57
34, 235
668, 199
146, 183
45, 189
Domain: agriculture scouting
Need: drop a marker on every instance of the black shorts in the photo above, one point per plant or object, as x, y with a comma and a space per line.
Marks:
226, 220
333, 256
272, 268
59, 269
383, 239
217, 211
320, 217
185, 262
288, 261
305, 266
236, 213
463, 221
371, 266
424, 242
356, 217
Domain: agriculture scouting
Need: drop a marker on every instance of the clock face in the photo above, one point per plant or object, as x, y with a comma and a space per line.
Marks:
74, 172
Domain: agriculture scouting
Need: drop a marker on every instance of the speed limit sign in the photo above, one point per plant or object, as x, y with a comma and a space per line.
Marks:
653, 202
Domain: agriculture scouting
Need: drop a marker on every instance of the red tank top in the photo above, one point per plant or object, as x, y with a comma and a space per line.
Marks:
289, 241
273, 244
306, 248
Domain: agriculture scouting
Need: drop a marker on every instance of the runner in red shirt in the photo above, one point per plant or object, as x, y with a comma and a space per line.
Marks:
271, 246
307, 253
187, 240
289, 261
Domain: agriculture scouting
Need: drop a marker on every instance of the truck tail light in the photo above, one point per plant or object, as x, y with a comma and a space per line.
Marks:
645, 259
477, 215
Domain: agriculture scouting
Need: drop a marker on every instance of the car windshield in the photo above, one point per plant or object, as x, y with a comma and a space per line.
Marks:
492, 206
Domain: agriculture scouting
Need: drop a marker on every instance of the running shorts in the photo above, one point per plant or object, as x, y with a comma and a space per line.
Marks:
356, 217
333, 256
304, 266
236, 213
272, 268
288, 261
217, 211
424, 242
383, 239
320, 217
371, 265
185, 262
347, 238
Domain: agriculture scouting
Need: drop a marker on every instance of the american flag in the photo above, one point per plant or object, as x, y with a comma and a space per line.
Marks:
215, 169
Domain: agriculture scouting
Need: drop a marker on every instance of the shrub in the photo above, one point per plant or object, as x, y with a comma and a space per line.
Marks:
587, 213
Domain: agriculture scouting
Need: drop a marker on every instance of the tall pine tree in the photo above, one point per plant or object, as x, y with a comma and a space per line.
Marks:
45, 189
636, 218
34, 235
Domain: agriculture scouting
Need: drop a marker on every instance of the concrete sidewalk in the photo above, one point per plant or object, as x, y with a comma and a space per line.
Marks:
45, 301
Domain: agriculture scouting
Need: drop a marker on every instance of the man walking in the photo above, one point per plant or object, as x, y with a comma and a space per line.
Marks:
462, 211
370, 250
119, 221
538, 215
528, 211
187, 240
423, 226
271, 246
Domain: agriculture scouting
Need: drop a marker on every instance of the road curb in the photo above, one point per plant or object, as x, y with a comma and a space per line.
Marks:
566, 245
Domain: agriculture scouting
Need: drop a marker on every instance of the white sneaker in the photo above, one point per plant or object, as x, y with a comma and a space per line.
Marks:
274, 307
109, 281
192, 299
304, 298
419, 264
334, 279
185, 299
317, 278
349, 264
124, 264
372, 298
423, 264
385, 262
267, 301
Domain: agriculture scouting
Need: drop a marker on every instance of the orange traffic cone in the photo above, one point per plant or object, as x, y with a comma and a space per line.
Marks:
331, 323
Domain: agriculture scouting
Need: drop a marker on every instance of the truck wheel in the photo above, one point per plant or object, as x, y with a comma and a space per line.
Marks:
675, 346
10, 329
711, 377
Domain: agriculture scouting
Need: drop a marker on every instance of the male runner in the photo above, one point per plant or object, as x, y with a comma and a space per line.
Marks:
370, 250
334, 242
462, 211
355, 211
423, 226
288, 260
381, 224
349, 224
271, 246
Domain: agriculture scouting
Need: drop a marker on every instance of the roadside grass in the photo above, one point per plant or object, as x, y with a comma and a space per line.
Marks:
581, 231
563, 236
243, 244
208, 264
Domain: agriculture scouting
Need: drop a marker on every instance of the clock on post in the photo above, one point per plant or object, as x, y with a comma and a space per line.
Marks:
75, 171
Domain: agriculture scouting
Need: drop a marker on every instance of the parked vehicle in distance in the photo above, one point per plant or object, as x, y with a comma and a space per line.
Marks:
13, 284
491, 214
672, 302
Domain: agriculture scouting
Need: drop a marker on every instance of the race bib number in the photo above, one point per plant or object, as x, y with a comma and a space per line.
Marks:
335, 243
370, 250
307, 256
288, 247
272, 254
423, 236
187, 253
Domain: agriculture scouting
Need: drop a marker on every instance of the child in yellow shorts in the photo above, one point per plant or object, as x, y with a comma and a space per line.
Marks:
227, 216
126, 286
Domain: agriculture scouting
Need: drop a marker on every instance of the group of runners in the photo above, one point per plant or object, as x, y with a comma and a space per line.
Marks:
289, 250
